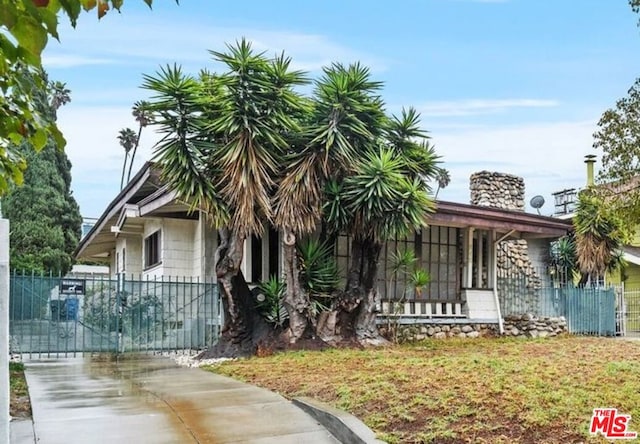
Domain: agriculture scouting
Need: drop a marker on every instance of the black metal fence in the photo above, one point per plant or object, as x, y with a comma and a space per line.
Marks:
61, 315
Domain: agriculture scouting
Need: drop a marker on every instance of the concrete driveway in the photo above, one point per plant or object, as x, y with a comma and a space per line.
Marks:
151, 400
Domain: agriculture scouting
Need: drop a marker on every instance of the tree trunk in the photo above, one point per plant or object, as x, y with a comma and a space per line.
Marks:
243, 328
358, 306
296, 301
365, 322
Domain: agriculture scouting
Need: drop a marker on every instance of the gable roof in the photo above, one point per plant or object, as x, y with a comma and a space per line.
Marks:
143, 195
147, 195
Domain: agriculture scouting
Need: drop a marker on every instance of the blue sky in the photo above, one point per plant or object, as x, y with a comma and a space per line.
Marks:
514, 86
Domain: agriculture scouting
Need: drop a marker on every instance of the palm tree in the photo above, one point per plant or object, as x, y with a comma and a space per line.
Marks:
599, 234
224, 139
443, 178
141, 113
128, 139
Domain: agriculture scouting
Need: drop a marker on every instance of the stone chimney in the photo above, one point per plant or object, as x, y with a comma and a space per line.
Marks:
497, 190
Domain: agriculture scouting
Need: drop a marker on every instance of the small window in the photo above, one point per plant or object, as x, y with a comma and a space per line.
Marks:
124, 260
152, 250
256, 259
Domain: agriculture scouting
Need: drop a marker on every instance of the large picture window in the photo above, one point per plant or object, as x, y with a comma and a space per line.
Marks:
152, 249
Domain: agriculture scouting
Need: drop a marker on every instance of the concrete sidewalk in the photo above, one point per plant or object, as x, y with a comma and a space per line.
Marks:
151, 400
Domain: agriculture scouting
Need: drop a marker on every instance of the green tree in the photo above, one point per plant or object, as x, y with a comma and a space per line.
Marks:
25, 27
247, 149
618, 136
45, 218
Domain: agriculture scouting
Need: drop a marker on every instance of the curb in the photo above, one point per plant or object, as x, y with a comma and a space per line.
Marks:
345, 427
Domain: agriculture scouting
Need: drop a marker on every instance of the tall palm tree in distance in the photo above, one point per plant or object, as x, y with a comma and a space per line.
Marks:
141, 113
128, 139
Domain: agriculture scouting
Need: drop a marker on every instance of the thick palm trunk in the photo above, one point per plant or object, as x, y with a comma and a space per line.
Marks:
365, 322
296, 301
355, 311
243, 328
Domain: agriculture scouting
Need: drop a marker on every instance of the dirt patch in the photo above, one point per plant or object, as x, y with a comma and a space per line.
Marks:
464, 391
19, 404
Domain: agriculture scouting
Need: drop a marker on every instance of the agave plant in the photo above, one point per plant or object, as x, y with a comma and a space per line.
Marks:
419, 279
269, 301
319, 271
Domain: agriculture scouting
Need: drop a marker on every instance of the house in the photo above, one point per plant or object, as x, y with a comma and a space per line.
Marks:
147, 231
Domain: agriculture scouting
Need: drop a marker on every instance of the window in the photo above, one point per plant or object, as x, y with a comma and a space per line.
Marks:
152, 249
124, 260
256, 259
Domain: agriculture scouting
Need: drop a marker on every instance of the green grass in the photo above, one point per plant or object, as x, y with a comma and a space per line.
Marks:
481, 390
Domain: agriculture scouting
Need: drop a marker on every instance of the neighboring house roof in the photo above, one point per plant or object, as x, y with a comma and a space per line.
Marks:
631, 254
146, 195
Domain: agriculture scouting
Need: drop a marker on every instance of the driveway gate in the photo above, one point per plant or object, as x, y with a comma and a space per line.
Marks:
54, 315
629, 313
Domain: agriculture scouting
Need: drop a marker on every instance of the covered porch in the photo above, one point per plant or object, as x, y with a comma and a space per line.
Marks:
460, 250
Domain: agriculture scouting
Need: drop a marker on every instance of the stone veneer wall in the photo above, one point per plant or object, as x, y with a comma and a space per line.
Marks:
506, 191
497, 190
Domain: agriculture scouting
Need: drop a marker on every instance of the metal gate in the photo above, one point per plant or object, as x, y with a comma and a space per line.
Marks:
629, 313
61, 316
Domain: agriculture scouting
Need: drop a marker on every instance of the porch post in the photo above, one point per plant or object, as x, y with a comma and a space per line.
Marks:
479, 260
494, 273
468, 255
4, 330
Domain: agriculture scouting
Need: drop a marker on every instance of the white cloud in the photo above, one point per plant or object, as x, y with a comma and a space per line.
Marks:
71, 61
549, 156
135, 39
456, 108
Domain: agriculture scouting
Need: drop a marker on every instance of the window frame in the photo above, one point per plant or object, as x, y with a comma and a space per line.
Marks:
153, 256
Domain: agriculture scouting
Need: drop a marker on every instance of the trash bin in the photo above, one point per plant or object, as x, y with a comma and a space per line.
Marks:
71, 308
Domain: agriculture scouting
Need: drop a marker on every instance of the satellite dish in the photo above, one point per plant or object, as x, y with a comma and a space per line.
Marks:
537, 202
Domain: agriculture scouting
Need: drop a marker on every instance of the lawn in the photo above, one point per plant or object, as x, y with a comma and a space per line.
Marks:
19, 407
475, 391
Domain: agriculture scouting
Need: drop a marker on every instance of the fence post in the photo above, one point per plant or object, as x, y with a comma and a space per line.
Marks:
4, 332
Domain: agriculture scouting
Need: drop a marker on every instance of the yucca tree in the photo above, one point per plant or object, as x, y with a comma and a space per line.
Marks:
346, 115
224, 139
378, 201
366, 173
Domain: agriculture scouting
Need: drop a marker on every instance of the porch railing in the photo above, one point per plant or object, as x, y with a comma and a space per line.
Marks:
424, 309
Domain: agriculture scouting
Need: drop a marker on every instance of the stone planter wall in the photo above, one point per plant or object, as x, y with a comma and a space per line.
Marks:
526, 326
418, 332
529, 326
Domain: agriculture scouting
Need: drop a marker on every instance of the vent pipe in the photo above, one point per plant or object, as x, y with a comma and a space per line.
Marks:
590, 159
